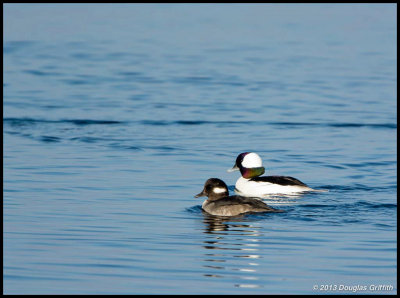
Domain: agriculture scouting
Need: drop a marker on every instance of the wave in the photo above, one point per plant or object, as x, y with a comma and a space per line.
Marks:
27, 121
351, 205
16, 121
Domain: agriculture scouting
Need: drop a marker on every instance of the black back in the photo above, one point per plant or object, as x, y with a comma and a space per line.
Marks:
281, 180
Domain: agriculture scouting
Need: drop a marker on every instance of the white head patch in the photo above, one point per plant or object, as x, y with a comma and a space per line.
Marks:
219, 190
252, 160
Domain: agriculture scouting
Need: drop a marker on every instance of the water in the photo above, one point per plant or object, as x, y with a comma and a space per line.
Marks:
115, 115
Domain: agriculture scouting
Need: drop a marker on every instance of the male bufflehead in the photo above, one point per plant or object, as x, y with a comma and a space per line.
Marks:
253, 184
220, 203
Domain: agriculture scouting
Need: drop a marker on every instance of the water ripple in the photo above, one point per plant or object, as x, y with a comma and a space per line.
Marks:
24, 121
80, 122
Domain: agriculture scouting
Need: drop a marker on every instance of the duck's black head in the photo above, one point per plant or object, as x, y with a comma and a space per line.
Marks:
214, 188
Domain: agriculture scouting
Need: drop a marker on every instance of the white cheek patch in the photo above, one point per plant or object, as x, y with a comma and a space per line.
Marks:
252, 160
219, 190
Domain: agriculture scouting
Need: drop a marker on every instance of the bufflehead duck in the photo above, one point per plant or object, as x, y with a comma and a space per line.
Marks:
253, 184
220, 203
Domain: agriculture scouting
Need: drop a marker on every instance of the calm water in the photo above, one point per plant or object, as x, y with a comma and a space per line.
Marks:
115, 115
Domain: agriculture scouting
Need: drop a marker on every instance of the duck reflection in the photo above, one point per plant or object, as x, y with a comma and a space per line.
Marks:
232, 249
281, 199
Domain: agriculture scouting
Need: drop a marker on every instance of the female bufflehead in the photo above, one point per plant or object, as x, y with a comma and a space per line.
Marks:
220, 203
253, 184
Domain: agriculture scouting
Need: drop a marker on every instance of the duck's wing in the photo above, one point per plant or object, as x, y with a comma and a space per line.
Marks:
252, 203
281, 180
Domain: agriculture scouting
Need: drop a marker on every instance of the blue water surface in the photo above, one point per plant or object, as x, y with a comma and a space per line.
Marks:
116, 114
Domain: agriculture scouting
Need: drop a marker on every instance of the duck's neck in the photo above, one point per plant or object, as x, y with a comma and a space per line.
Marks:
252, 172
217, 196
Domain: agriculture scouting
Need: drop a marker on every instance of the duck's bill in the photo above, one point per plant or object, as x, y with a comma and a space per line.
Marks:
202, 194
234, 168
